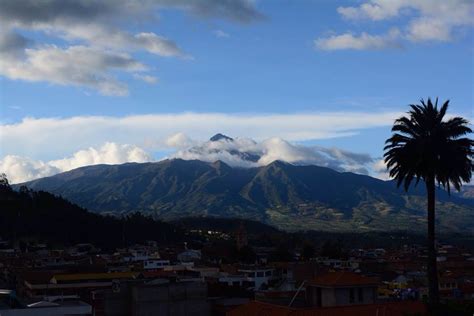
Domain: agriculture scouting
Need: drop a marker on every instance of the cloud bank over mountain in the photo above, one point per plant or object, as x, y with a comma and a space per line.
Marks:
239, 152
245, 152
20, 168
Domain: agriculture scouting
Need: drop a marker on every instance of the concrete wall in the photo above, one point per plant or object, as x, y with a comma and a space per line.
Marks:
180, 299
329, 296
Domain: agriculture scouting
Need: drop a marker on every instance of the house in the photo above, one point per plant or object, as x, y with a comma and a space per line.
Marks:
153, 264
258, 276
341, 288
39, 284
157, 297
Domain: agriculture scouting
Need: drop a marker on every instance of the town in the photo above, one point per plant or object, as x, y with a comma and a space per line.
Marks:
154, 279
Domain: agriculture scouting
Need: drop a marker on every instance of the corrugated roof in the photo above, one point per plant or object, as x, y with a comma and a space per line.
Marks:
95, 276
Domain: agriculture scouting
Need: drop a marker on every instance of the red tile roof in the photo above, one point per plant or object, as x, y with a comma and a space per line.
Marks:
343, 278
384, 309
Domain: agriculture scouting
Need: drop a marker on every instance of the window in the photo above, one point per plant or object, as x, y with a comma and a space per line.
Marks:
268, 273
360, 293
351, 296
259, 274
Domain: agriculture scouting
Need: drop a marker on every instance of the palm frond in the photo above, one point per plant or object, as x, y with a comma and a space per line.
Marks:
423, 146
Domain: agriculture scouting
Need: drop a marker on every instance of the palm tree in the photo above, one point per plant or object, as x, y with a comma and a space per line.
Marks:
424, 147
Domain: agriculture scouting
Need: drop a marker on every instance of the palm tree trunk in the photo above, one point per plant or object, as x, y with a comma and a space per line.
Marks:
432, 268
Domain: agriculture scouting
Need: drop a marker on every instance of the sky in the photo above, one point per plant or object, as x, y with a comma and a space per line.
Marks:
87, 82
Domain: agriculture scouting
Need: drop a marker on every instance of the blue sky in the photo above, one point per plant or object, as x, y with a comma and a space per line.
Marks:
251, 59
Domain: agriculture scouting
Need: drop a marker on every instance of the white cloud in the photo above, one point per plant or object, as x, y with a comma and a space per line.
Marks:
97, 27
146, 78
375, 10
458, 11
20, 169
33, 137
221, 34
179, 140
429, 29
428, 20
245, 152
76, 65
380, 169
230, 152
362, 42
109, 153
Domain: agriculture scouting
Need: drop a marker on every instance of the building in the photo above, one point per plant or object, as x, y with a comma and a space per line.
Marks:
154, 264
258, 276
341, 288
39, 284
157, 297
10, 306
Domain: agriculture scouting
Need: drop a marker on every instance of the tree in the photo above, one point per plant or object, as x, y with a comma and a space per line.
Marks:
281, 254
4, 180
308, 252
247, 255
332, 249
425, 147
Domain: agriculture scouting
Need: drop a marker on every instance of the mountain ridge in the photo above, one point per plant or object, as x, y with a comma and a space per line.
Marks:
281, 194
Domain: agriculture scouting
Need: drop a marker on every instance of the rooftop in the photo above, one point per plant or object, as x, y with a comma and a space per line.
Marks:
255, 308
343, 278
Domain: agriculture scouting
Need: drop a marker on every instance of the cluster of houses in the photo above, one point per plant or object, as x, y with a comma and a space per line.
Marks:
152, 280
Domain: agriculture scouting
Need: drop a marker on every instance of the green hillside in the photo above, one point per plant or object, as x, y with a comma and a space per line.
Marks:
287, 196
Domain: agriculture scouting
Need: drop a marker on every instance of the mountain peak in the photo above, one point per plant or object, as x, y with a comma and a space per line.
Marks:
220, 136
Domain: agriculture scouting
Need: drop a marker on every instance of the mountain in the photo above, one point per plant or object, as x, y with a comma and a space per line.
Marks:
220, 136
284, 195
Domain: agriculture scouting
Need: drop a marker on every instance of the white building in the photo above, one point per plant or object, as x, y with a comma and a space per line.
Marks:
153, 264
258, 276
